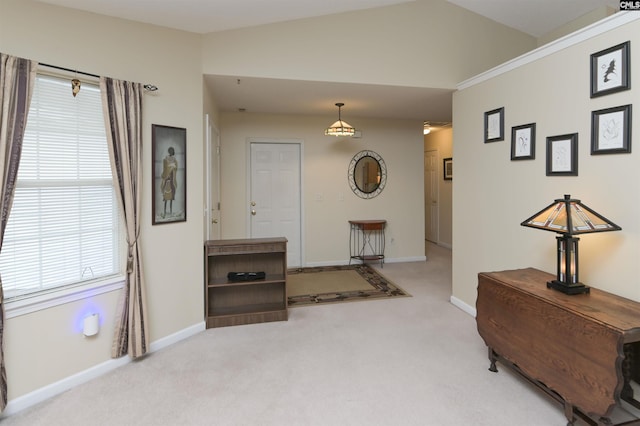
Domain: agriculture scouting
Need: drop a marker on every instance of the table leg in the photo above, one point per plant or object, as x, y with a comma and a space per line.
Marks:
492, 359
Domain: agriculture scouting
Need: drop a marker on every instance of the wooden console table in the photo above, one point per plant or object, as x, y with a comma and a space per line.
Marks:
583, 350
366, 240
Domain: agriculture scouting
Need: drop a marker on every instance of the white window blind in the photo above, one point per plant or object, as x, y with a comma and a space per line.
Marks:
64, 226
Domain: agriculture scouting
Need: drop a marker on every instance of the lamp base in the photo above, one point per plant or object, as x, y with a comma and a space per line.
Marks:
577, 288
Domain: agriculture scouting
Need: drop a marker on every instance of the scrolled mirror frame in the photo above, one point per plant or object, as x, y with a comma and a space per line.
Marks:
351, 174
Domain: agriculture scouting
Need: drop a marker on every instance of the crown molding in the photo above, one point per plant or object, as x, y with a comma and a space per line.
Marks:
607, 24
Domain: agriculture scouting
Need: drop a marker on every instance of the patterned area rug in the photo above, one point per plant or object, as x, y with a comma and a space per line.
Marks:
328, 284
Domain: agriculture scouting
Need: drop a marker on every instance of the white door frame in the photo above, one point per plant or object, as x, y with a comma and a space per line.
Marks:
435, 220
300, 142
211, 144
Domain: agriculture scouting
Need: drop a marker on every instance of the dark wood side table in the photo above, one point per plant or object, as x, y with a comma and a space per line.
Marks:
580, 349
366, 240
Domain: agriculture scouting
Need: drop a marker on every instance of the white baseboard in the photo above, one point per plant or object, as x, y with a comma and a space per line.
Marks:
49, 391
357, 262
177, 336
406, 259
460, 304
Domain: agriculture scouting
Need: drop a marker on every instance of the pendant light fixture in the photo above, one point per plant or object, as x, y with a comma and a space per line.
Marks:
340, 128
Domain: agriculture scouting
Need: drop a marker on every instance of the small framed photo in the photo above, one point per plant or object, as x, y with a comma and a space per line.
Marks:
610, 70
447, 167
523, 142
169, 157
494, 125
611, 130
562, 155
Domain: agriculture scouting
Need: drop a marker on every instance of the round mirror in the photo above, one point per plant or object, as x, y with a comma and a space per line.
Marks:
367, 174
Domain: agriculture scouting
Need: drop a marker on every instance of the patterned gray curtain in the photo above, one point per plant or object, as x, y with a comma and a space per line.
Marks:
17, 77
122, 105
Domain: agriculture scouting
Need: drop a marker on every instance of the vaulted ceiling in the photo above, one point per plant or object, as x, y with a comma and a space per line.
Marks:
534, 17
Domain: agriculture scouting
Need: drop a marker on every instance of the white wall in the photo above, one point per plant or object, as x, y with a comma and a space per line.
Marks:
328, 200
494, 194
425, 43
45, 347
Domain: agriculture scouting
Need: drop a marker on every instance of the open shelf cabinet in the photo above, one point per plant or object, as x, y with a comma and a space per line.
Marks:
245, 302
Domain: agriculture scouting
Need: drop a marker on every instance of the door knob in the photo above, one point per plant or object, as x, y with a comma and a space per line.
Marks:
214, 221
253, 212
253, 203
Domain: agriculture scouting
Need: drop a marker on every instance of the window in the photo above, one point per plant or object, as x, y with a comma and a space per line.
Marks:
64, 228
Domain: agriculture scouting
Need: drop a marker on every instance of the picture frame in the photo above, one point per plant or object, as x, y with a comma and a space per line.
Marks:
610, 70
562, 155
523, 142
447, 168
611, 130
494, 125
169, 166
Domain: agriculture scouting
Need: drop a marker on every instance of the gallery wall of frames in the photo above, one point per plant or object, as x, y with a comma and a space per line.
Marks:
610, 127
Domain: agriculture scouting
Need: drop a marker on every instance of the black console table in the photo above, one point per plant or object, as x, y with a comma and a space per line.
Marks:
366, 240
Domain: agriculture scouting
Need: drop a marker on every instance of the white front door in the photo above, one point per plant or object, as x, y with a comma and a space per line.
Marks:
431, 195
275, 195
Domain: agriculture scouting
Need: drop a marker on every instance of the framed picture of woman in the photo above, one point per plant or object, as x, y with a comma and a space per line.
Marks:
169, 156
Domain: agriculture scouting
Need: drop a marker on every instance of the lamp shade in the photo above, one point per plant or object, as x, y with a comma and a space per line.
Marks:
570, 217
340, 128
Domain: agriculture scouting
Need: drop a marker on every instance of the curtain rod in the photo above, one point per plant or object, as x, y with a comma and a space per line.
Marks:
149, 87
69, 70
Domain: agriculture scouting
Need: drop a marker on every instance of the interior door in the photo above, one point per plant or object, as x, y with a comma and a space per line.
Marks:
275, 195
212, 213
431, 195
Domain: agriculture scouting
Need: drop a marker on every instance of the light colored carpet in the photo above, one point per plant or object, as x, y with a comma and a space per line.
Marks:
409, 361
